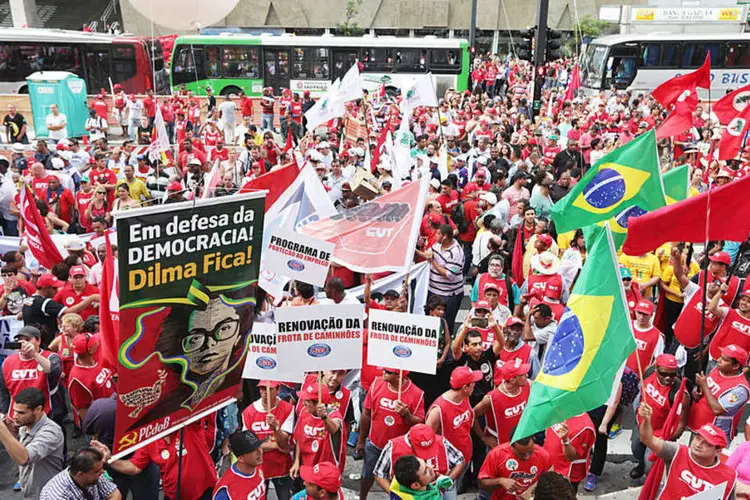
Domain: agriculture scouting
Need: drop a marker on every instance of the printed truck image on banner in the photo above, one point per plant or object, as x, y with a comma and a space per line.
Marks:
188, 278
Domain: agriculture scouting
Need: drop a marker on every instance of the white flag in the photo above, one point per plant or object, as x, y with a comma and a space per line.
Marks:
160, 142
402, 149
327, 108
350, 88
419, 92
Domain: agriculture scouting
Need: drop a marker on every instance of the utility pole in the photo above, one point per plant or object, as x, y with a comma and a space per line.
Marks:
540, 51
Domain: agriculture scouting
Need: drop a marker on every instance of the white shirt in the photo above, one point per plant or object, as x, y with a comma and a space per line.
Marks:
228, 115
55, 121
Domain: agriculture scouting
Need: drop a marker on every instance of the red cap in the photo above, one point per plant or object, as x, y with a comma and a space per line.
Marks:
83, 341
746, 290
645, 306
491, 286
117, 86
306, 92
49, 280
553, 288
721, 257
422, 435
435, 218
324, 475
545, 238
513, 368
61, 146
666, 361
268, 383
310, 393
735, 352
463, 375
483, 304
513, 321
77, 271
174, 186
713, 435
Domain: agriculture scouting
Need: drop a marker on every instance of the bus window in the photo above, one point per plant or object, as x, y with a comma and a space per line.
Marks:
377, 59
738, 55
411, 60
445, 61
187, 64
651, 55
240, 62
212, 62
693, 54
660, 55
63, 58
123, 63
310, 64
593, 69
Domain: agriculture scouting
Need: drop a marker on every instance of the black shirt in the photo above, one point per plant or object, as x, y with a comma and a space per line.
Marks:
42, 313
14, 126
486, 364
557, 192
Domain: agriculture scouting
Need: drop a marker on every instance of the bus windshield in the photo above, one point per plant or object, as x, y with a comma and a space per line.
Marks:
593, 65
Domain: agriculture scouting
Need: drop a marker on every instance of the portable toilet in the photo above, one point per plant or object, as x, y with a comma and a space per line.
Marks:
66, 90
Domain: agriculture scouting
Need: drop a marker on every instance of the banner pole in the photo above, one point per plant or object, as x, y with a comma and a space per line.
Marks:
179, 462
268, 394
320, 387
400, 382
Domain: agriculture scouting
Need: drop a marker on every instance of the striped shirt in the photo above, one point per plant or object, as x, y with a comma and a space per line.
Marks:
452, 259
384, 464
62, 487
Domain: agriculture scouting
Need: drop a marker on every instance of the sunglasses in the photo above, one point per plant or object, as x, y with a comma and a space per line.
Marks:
666, 374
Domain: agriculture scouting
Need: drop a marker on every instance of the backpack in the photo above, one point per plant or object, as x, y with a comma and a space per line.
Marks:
459, 217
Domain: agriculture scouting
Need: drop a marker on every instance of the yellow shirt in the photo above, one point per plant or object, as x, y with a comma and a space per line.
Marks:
138, 190
565, 239
668, 277
664, 254
643, 268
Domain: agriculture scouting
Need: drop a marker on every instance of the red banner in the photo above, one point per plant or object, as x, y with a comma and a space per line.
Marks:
35, 230
378, 236
109, 309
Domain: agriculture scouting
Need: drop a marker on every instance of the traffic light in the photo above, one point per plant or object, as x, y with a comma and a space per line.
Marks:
553, 45
524, 48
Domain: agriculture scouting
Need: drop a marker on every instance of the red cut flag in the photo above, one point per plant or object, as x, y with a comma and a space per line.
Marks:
668, 92
687, 219
378, 149
109, 308
517, 263
275, 182
289, 140
35, 230
378, 236
730, 144
731, 104
681, 117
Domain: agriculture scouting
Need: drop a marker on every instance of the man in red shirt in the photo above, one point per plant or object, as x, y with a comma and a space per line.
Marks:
88, 380
246, 105
649, 340
198, 469
101, 107
188, 154
735, 323
40, 181
511, 469
76, 290
103, 176
149, 106
317, 430
569, 446
322, 482
244, 479
83, 200
448, 197
60, 200
386, 416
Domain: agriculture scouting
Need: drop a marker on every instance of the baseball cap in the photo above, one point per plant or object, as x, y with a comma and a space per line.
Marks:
422, 435
268, 383
482, 304
77, 271
490, 198
514, 368
645, 306
242, 442
513, 321
195, 161
490, 286
324, 475
735, 352
49, 280
392, 293
310, 393
666, 361
721, 257
174, 186
435, 183
725, 172
83, 341
85, 178
29, 331
545, 238
75, 244
713, 435
17, 147
463, 375
625, 273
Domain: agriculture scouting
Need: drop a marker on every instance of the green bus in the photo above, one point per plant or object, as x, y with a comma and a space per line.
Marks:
229, 63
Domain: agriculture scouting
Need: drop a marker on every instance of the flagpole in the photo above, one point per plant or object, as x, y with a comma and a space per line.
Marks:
708, 225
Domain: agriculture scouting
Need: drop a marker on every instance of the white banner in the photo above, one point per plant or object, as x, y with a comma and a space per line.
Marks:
298, 256
262, 363
419, 278
314, 338
711, 493
403, 341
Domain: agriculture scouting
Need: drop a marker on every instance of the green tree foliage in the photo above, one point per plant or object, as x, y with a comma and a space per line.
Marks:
350, 27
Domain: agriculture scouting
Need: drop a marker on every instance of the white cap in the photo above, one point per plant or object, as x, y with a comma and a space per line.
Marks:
17, 147
314, 156
482, 160
65, 155
385, 164
57, 164
75, 244
323, 145
435, 183
195, 161
433, 159
489, 197
357, 151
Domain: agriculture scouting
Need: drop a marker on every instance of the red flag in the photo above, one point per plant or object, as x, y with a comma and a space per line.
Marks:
109, 308
378, 236
681, 117
653, 480
379, 147
730, 144
687, 219
214, 179
573, 86
517, 264
731, 104
275, 181
289, 140
35, 230
668, 92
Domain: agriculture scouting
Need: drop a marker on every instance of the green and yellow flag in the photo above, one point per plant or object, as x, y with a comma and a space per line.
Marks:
628, 176
593, 340
677, 184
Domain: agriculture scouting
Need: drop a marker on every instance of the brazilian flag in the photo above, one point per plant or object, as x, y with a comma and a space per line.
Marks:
627, 176
675, 189
593, 340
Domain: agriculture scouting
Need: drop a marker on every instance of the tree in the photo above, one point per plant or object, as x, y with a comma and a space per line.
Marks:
350, 27
588, 27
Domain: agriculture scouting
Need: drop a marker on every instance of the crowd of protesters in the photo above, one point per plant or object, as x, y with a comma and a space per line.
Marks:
495, 171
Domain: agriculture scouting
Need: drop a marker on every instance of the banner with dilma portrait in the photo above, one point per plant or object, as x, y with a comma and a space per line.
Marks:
188, 280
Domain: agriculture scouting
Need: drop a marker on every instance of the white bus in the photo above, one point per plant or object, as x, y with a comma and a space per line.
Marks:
641, 62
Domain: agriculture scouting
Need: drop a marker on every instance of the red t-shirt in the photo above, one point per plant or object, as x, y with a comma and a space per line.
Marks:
502, 462
246, 106
68, 297
66, 202
39, 185
197, 465
101, 108
236, 484
149, 104
84, 200
275, 463
448, 202
385, 423
87, 383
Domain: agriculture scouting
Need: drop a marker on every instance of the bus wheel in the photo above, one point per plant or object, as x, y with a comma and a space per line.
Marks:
23, 90
231, 90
